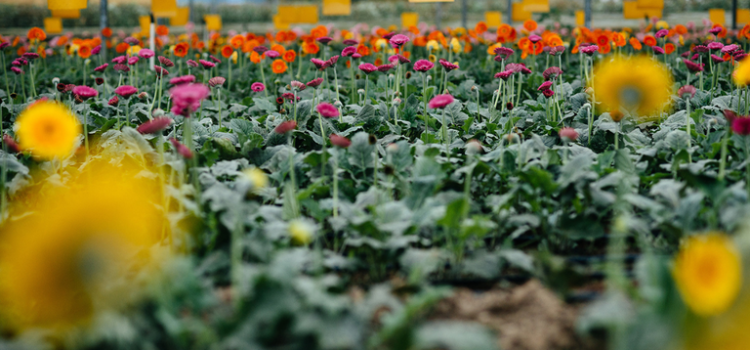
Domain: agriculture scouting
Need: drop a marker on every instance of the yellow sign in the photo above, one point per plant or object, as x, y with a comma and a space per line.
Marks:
213, 22
409, 19
717, 16
337, 7
66, 13
67, 4
164, 8
307, 14
493, 19
53, 25
519, 13
145, 22
743, 16
580, 18
536, 6
631, 10
431, 0
279, 24
182, 18
651, 4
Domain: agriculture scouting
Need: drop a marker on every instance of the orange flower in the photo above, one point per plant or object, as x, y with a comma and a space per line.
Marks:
605, 49
237, 41
16, 40
319, 32
122, 47
291, 36
289, 56
255, 57
504, 30
530, 25
381, 32
554, 41
669, 48
250, 45
281, 36
278, 48
602, 40
524, 43
574, 50
227, 51
363, 50
162, 30
61, 41
181, 49
41, 51
619, 39
420, 41
481, 27
37, 33
649, 40
414, 30
106, 32
536, 48
278, 66
84, 52
310, 48
635, 44
21, 50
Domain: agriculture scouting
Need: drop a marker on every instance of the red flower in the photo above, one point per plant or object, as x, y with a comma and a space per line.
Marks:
340, 141
286, 127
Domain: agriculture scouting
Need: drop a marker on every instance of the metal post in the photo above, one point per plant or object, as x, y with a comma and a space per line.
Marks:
192, 12
103, 23
213, 6
152, 41
464, 10
587, 9
734, 14
438, 15
509, 12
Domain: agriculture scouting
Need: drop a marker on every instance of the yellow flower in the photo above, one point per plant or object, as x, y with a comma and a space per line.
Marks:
234, 57
432, 58
77, 249
133, 50
638, 85
455, 45
708, 273
301, 232
662, 25
48, 130
460, 31
491, 48
433, 46
741, 74
257, 177
381, 43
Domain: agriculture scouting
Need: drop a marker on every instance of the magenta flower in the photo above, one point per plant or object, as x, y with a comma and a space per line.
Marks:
350, 42
333, 60
687, 91
166, 62
101, 68
504, 51
31, 55
545, 86
423, 65
285, 127
187, 98
715, 30
206, 64
325, 40
154, 126
146, 53
16, 70
741, 126
132, 41
535, 38
356, 55
730, 48
260, 49
385, 68
515, 67
160, 71
398, 40
504, 75
257, 87
740, 57
133, 60
692, 66
340, 141
320, 64
187, 79
552, 73
327, 110
315, 82
181, 149
121, 68
85, 92
590, 50
297, 85
214, 59
716, 59
96, 50
348, 51
114, 101
700, 48
713, 46
662, 33
126, 91
192, 63
441, 101
216, 81
367, 68
730, 116
400, 58
569, 134
447, 65
272, 54
658, 50
548, 93
119, 59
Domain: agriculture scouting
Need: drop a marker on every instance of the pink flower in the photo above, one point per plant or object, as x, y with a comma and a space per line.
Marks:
96, 50
11, 144
260, 49
296, 85
658, 50
333, 60
400, 58
16, 70
590, 50
340, 141
692, 66
160, 72
272, 54
535, 38
132, 41
441, 101
121, 68
257, 87
320, 64
101, 68
187, 79
515, 67
216, 81
325, 40
114, 101
716, 59
367, 68
713, 46
552, 73
214, 59
192, 63
398, 40
119, 59
715, 30
133, 60
356, 55
548, 93
350, 42
700, 48
504, 51
385, 68
315, 82
327, 110
348, 51
662, 33
568, 134
31, 55
423, 65
146, 53
741, 126
730, 48
285, 127
181, 149
166, 62
545, 86
126, 91
688, 90
154, 126
187, 98
206, 64
504, 75
85, 92
448, 66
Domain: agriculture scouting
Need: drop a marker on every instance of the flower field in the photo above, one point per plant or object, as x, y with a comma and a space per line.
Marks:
530, 187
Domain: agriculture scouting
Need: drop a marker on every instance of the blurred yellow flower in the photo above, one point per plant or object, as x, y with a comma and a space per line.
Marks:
133, 50
432, 58
662, 25
49, 130
635, 84
301, 232
257, 177
78, 248
708, 273
433, 46
741, 74
456, 46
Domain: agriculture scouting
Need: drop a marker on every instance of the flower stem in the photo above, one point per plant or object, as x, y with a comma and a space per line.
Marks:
263, 76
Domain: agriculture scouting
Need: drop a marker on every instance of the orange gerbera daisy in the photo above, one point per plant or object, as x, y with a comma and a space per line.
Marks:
530, 25
635, 44
227, 51
649, 40
289, 56
61, 41
363, 50
669, 48
255, 57
319, 32
481, 27
602, 40
37, 33
122, 47
162, 30
181, 49
84, 52
237, 41
619, 39
605, 49
310, 48
278, 48
107, 32
278, 66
